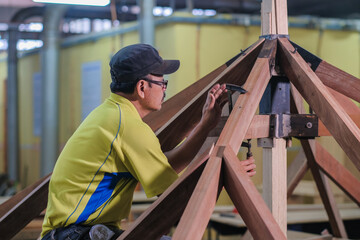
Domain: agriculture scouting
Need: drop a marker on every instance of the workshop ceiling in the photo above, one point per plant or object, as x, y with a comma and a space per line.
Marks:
346, 9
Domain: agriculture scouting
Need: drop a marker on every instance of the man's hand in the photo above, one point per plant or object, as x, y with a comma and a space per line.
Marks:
249, 166
182, 155
215, 101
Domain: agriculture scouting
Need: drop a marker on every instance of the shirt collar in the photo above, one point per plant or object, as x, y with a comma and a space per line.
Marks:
122, 101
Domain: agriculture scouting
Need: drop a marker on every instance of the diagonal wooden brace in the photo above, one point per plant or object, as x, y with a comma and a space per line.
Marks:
337, 121
248, 200
152, 224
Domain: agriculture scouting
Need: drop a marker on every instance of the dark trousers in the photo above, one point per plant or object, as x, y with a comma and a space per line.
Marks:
75, 232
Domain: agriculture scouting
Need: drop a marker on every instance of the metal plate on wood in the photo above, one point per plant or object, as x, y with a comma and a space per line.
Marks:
294, 125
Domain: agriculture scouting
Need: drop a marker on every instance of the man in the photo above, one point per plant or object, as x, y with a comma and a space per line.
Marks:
94, 178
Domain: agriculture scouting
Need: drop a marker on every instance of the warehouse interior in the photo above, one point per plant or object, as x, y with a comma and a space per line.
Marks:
69, 45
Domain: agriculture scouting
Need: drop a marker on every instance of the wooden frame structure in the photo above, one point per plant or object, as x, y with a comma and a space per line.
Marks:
189, 202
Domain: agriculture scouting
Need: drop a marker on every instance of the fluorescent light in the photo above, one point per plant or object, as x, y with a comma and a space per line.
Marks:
77, 2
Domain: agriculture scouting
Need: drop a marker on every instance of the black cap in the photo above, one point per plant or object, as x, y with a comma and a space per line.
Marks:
135, 61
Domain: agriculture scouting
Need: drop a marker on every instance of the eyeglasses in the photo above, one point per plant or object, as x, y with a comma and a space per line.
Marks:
163, 83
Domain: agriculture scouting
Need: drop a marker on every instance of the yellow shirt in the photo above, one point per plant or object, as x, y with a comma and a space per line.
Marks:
96, 173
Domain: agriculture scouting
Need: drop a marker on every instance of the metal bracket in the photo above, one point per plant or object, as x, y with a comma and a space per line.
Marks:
231, 89
274, 36
294, 125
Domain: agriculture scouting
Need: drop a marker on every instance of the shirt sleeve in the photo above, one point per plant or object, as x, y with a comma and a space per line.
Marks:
144, 158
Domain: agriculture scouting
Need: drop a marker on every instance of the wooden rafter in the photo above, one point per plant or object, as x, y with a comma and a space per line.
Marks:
332, 76
248, 200
344, 130
27, 204
295, 172
259, 127
193, 196
338, 173
246, 105
323, 186
321, 181
192, 224
189, 115
348, 105
156, 220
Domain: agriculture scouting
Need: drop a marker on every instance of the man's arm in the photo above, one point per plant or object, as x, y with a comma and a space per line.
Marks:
182, 155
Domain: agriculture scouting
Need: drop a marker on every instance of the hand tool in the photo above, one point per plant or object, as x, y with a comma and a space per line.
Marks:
231, 89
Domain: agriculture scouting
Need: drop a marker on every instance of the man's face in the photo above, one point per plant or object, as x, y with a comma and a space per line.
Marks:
155, 91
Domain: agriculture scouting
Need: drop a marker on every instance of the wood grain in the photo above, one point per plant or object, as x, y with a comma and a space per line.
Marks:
296, 171
320, 179
248, 200
281, 17
181, 124
198, 211
327, 197
19, 210
299, 166
339, 80
338, 173
172, 106
343, 129
348, 105
274, 181
330, 75
156, 220
245, 107
259, 127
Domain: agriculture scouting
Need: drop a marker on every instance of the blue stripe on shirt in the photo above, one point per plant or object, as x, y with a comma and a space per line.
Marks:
102, 194
111, 147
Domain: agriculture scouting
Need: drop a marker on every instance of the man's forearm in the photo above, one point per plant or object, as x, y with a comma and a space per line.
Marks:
182, 155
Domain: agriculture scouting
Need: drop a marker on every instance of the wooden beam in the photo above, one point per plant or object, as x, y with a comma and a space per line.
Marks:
274, 19
323, 131
326, 194
344, 130
19, 210
259, 127
296, 171
339, 80
331, 76
274, 180
180, 124
246, 105
268, 21
198, 211
321, 181
156, 220
281, 17
350, 108
248, 200
176, 103
299, 166
338, 173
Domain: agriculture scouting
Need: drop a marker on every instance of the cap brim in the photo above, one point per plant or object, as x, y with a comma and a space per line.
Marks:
168, 67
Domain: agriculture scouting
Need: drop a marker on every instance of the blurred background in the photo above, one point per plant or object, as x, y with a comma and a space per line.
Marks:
54, 65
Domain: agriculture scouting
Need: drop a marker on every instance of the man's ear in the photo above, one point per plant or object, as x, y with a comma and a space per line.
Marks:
140, 88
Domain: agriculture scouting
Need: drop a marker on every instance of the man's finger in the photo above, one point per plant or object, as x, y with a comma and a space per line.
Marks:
220, 90
252, 173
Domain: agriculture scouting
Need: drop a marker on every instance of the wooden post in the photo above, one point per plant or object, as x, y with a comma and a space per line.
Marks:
274, 17
274, 22
274, 178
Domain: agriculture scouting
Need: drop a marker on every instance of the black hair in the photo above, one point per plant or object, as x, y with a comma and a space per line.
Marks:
123, 87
